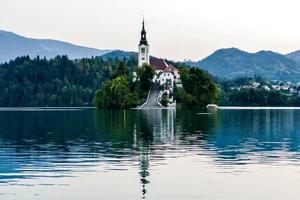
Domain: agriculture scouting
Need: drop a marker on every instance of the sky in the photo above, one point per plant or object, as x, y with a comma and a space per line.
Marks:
176, 29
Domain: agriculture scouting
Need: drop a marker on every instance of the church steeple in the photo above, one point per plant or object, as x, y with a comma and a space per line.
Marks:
144, 57
143, 40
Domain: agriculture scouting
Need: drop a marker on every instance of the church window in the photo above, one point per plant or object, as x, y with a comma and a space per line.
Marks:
143, 50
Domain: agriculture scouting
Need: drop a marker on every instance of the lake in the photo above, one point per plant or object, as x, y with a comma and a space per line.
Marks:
80, 154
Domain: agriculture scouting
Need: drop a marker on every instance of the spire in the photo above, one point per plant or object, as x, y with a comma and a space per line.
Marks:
143, 40
143, 29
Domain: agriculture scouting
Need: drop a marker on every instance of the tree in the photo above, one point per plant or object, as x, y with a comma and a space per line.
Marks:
198, 89
164, 101
116, 94
121, 70
146, 74
184, 99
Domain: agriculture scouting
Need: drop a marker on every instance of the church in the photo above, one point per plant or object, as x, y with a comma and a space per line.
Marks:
166, 75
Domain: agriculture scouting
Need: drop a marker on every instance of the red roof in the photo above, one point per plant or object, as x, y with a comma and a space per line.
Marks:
170, 68
158, 63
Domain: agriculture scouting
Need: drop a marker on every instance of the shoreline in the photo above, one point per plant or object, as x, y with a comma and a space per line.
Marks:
256, 108
69, 108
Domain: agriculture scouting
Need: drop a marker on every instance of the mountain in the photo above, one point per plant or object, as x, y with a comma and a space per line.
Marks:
294, 56
13, 45
232, 63
119, 54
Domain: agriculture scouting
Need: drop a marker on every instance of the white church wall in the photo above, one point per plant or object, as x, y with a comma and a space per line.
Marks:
165, 77
144, 57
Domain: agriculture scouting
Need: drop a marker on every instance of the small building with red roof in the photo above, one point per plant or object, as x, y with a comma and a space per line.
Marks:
165, 74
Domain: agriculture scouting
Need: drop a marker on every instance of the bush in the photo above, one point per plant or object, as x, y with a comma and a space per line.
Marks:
164, 100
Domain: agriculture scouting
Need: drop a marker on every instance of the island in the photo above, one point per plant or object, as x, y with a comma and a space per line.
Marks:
156, 84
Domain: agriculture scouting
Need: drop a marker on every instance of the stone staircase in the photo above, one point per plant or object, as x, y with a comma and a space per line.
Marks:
151, 102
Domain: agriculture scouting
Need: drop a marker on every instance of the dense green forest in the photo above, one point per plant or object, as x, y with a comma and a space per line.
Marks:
64, 82
55, 82
234, 93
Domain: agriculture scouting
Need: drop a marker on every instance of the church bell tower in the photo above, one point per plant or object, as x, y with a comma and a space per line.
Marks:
143, 48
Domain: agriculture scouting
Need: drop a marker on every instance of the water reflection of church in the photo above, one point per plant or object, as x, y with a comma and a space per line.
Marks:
147, 135
155, 127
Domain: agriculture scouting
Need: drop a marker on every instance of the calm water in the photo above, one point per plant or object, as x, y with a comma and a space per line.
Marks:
80, 154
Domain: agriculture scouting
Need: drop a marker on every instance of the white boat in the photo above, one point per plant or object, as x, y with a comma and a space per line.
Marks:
212, 106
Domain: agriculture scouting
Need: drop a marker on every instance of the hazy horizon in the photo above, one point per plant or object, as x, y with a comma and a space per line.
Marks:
177, 30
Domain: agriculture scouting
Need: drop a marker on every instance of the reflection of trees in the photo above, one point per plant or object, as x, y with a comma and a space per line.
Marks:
39, 139
256, 135
237, 136
121, 134
197, 123
116, 126
44, 127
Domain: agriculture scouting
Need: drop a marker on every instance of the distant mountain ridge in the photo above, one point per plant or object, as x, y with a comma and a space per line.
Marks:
224, 63
233, 63
294, 56
119, 54
13, 45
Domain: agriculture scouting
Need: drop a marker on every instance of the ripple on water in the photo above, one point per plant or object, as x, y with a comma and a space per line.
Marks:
68, 144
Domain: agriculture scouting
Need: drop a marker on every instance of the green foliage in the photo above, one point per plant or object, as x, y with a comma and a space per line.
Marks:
234, 94
116, 94
146, 74
164, 100
198, 89
121, 70
184, 99
256, 97
121, 92
55, 82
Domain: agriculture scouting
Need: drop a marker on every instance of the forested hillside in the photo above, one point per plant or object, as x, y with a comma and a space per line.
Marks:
55, 82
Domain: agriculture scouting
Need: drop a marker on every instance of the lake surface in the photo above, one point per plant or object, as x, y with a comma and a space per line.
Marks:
80, 154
